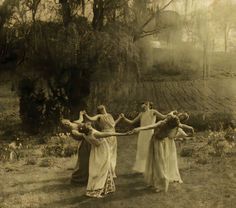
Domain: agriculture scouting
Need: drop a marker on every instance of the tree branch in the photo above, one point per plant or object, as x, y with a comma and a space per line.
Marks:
155, 13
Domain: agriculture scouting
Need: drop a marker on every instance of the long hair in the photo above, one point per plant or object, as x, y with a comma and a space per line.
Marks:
84, 129
163, 130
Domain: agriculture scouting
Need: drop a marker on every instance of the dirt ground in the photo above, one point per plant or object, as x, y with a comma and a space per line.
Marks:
31, 186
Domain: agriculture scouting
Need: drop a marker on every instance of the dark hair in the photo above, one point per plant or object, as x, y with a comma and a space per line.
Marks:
148, 103
170, 123
84, 129
80, 125
151, 105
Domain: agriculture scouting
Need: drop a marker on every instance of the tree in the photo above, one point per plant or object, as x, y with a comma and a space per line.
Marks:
6, 10
224, 16
145, 12
61, 57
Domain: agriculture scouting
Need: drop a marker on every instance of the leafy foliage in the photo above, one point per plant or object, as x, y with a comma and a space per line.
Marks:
60, 146
214, 144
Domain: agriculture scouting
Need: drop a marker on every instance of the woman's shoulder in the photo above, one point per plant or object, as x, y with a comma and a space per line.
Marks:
110, 115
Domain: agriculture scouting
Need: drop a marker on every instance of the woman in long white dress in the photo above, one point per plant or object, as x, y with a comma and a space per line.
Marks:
176, 133
100, 180
158, 167
146, 117
107, 123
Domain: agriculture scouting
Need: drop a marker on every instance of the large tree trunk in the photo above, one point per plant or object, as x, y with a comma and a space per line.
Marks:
66, 12
98, 14
6, 10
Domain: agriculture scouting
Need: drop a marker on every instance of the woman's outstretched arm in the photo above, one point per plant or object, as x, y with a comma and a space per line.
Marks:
159, 115
181, 134
118, 119
136, 119
163, 116
99, 134
81, 118
153, 126
185, 126
69, 125
92, 118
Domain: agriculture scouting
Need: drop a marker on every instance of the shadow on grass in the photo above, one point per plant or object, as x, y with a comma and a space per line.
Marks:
123, 192
64, 179
47, 188
131, 175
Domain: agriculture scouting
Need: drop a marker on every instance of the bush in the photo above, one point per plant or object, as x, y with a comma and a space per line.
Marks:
211, 121
58, 80
60, 146
11, 152
186, 152
215, 144
38, 111
220, 144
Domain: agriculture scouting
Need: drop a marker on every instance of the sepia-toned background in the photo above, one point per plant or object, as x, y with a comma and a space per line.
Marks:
58, 57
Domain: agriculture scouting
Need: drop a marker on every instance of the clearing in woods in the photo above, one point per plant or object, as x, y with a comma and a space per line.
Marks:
210, 185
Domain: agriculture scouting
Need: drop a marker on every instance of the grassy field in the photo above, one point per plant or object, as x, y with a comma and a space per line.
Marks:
23, 184
205, 185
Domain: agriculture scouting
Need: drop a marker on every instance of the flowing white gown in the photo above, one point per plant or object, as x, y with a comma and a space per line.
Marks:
107, 124
100, 180
162, 165
144, 138
156, 172
173, 168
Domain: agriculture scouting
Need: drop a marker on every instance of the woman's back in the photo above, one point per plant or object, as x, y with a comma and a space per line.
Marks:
106, 122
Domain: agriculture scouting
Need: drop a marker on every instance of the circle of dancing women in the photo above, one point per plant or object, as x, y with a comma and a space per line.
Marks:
156, 155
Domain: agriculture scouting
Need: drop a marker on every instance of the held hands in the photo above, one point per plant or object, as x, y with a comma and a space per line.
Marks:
134, 131
82, 112
173, 113
122, 115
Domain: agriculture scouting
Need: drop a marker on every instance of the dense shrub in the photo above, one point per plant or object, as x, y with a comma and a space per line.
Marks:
214, 144
38, 111
60, 146
60, 65
211, 121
